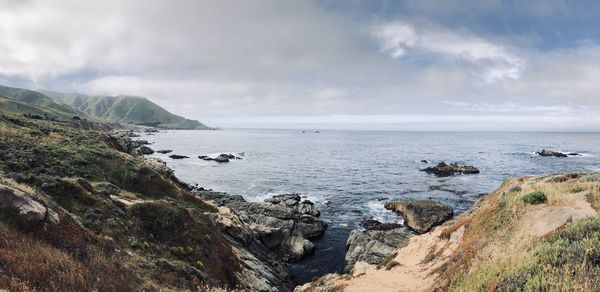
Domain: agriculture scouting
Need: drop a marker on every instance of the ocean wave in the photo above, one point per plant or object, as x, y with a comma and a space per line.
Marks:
379, 213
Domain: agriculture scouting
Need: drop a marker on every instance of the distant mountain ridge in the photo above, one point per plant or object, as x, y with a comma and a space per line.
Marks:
117, 109
126, 110
33, 102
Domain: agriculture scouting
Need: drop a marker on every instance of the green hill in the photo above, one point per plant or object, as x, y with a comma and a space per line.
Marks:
25, 101
126, 110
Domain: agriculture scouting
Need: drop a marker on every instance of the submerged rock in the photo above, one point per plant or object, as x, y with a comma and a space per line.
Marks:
547, 153
283, 223
421, 215
450, 169
164, 151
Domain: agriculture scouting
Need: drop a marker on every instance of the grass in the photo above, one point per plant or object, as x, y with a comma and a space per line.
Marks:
535, 197
387, 260
593, 197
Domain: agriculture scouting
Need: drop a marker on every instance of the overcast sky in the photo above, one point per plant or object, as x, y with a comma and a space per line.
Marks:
412, 65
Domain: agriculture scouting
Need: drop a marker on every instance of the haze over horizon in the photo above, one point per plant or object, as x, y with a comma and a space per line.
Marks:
402, 65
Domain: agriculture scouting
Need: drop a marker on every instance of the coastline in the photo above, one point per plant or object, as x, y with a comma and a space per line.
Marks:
126, 212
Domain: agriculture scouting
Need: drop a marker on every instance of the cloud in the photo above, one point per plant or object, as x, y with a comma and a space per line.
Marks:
401, 39
229, 60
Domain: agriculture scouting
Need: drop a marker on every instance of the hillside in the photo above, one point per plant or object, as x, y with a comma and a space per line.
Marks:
531, 234
82, 211
25, 101
126, 110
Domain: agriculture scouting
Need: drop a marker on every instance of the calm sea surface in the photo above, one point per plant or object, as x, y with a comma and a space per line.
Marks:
350, 174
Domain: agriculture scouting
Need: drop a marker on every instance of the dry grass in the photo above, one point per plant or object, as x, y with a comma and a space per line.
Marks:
11, 133
21, 187
593, 196
29, 264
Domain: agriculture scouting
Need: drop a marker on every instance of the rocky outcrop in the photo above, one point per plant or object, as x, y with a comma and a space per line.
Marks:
26, 208
164, 151
283, 223
373, 246
421, 215
549, 153
262, 270
451, 169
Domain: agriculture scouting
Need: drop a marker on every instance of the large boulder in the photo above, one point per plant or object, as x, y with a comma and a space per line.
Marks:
373, 246
545, 152
284, 223
26, 208
146, 150
450, 169
421, 215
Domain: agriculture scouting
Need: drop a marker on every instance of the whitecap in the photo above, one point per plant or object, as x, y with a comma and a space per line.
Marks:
379, 213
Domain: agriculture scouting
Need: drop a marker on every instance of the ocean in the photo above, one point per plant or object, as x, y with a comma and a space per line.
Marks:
351, 174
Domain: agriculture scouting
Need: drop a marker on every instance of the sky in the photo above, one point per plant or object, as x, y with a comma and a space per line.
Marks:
372, 64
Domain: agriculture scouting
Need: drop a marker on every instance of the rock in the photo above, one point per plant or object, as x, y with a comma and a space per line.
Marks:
373, 246
132, 135
164, 151
146, 150
573, 154
371, 224
151, 130
421, 215
221, 159
545, 152
26, 208
284, 223
450, 169
424, 161
262, 269
176, 156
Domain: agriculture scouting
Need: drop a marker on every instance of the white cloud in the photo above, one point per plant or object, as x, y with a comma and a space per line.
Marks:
228, 60
401, 39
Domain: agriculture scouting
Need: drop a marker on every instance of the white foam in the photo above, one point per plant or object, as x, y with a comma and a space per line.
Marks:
379, 213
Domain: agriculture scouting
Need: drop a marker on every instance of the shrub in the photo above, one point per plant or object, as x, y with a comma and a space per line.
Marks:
535, 197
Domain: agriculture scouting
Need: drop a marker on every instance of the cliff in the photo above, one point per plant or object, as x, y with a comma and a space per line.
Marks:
533, 234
